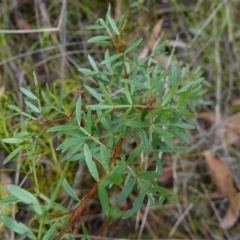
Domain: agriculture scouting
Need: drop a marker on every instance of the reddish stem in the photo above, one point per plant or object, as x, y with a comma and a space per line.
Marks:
77, 211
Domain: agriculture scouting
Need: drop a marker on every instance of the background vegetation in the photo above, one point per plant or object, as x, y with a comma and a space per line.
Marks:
204, 41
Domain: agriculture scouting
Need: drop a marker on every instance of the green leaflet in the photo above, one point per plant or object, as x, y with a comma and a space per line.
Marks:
25, 197
99, 38
149, 175
135, 153
32, 107
133, 46
28, 93
112, 58
12, 154
136, 206
92, 62
69, 189
135, 124
78, 110
12, 140
174, 75
90, 163
103, 197
105, 157
17, 227
127, 189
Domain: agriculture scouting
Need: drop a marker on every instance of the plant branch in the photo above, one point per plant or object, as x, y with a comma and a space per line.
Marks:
77, 211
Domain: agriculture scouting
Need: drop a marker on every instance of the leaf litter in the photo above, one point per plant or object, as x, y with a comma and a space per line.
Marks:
225, 184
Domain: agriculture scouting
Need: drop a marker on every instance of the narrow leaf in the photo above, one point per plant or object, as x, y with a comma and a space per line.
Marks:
180, 134
32, 107
115, 178
113, 24
174, 75
99, 107
168, 141
69, 189
136, 206
78, 110
168, 97
135, 153
105, 94
12, 140
185, 113
159, 78
127, 189
103, 197
184, 98
149, 175
88, 121
160, 47
90, 163
134, 83
184, 125
50, 231
146, 143
159, 164
133, 46
112, 58
25, 197
72, 151
153, 112
162, 131
66, 127
93, 27
17, 227
92, 62
28, 93
46, 98
191, 84
12, 154
15, 108
94, 93
105, 157
71, 141
174, 149
87, 72
153, 201
99, 38
128, 95
135, 124
159, 190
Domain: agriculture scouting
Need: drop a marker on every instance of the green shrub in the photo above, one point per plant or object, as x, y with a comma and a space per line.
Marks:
137, 109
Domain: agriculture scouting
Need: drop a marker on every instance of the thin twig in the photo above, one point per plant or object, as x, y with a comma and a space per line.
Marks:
180, 219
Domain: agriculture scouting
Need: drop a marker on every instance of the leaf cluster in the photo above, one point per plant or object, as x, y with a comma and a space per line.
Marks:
135, 100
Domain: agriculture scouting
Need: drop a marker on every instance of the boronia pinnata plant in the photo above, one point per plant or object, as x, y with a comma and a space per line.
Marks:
135, 103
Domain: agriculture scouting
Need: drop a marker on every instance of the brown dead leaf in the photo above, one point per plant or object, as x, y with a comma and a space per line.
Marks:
23, 24
230, 127
2, 90
236, 102
155, 33
231, 215
231, 130
207, 117
167, 176
224, 182
152, 41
